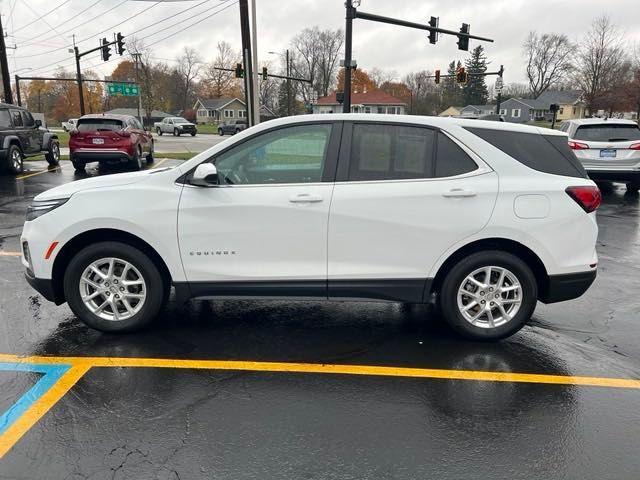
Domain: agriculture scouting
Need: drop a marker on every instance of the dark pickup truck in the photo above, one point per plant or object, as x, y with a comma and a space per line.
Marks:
21, 136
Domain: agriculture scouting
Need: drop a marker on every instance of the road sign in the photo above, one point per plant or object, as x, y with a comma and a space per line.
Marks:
499, 84
124, 89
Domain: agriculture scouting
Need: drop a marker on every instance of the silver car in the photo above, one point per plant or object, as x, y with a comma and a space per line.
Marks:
608, 148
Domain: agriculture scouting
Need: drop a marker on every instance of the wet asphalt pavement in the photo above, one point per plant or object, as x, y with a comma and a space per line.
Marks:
165, 423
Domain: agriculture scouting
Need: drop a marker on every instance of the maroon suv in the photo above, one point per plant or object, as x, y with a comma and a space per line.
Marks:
109, 138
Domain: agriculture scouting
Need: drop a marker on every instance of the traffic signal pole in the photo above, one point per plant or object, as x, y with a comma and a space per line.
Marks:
352, 13
245, 32
79, 79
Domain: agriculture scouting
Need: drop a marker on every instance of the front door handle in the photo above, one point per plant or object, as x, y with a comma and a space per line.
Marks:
459, 192
305, 198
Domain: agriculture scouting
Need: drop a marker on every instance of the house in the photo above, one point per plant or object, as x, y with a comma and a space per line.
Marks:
372, 101
477, 110
156, 115
570, 103
450, 112
218, 110
522, 110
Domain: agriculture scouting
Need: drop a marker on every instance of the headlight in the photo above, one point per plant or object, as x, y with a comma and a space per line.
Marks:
37, 209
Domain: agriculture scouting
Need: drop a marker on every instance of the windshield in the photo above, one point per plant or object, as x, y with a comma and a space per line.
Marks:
99, 125
180, 120
612, 132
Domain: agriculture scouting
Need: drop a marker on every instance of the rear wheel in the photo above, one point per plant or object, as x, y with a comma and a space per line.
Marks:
78, 165
193, 134
136, 161
237, 130
114, 287
53, 154
220, 132
633, 186
16, 159
158, 131
149, 156
488, 295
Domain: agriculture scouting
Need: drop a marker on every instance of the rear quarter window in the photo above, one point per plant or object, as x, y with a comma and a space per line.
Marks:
544, 153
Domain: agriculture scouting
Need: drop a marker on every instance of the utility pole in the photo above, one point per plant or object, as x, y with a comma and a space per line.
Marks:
136, 57
245, 32
254, 57
18, 92
4, 66
348, 35
499, 86
288, 85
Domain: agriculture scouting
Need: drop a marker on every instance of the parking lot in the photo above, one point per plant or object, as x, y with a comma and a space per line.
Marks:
271, 389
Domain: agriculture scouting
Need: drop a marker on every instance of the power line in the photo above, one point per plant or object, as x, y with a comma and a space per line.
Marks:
43, 20
40, 17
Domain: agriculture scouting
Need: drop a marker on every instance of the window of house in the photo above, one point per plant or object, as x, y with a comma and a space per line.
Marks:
574, 110
228, 113
390, 152
286, 155
561, 110
382, 110
515, 112
503, 111
367, 109
242, 113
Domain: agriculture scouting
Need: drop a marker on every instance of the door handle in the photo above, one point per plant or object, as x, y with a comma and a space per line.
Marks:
305, 198
458, 193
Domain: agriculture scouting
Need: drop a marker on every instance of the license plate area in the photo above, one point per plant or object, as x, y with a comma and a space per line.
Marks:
608, 153
97, 141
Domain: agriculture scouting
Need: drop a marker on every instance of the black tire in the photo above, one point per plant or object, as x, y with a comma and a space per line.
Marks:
176, 132
237, 130
606, 187
159, 132
220, 132
53, 154
633, 186
136, 161
155, 286
78, 165
149, 156
15, 159
193, 134
448, 297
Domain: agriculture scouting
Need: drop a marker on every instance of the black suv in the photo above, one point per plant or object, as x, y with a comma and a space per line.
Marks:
232, 128
21, 136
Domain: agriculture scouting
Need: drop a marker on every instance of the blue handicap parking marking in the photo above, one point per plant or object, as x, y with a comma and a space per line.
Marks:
51, 374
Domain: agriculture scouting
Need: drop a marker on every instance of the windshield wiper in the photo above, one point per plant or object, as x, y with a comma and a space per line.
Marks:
618, 140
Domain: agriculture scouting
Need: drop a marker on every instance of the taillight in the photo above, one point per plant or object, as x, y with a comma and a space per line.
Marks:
577, 145
588, 197
635, 146
124, 133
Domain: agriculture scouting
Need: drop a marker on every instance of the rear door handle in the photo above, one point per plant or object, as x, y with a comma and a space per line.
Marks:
305, 198
459, 192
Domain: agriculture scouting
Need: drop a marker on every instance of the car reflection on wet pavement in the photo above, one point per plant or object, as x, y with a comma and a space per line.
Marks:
166, 423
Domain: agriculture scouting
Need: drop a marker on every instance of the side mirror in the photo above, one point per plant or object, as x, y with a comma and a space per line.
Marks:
205, 175
38, 123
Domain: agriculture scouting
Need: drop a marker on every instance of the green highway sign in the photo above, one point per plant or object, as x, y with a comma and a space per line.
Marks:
125, 89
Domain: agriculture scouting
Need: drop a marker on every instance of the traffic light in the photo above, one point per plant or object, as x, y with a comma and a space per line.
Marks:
239, 71
463, 41
437, 76
120, 43
433, 35
105, 52
461, 75
265, 75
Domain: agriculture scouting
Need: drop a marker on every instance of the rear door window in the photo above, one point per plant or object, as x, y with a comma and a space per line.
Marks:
17, 118
99, 125
612, 132
544, 153
27, 119
390, 152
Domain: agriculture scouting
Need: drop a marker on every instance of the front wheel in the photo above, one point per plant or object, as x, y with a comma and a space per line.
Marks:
114, 287
220, 132
488, 295
176, 132
193, 134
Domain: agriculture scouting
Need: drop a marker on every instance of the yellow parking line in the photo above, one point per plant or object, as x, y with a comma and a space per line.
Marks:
371, 370
39, 173
160, 163
41, 406
10, 254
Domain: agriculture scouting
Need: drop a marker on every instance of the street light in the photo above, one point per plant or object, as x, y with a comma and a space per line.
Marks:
288, 81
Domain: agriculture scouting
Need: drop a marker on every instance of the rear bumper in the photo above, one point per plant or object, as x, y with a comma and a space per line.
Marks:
567, 286
89, 155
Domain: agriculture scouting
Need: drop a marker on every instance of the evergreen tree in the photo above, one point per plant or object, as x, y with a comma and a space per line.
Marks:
475, 91
451, 91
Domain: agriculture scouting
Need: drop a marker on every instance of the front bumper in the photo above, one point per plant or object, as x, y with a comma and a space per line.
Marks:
567, 286
44, 287
89, 155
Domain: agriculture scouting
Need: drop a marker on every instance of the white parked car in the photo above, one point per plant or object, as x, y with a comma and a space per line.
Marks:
609, 148
484, 217
69, 124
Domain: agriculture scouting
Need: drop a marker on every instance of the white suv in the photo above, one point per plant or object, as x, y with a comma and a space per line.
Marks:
609, 148
484, 217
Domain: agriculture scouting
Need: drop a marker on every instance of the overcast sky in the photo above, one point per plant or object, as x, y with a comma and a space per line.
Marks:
374, 45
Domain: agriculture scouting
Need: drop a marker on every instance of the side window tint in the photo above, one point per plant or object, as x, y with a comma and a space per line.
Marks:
5, 119
390, 152
287, 155
451, 159
17, 118
27, 119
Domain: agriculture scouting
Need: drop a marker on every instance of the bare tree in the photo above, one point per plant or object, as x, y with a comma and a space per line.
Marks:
601, 61
548, 60
380, 76
187, 70
515, 90
219, 82
269, 90
315, 56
